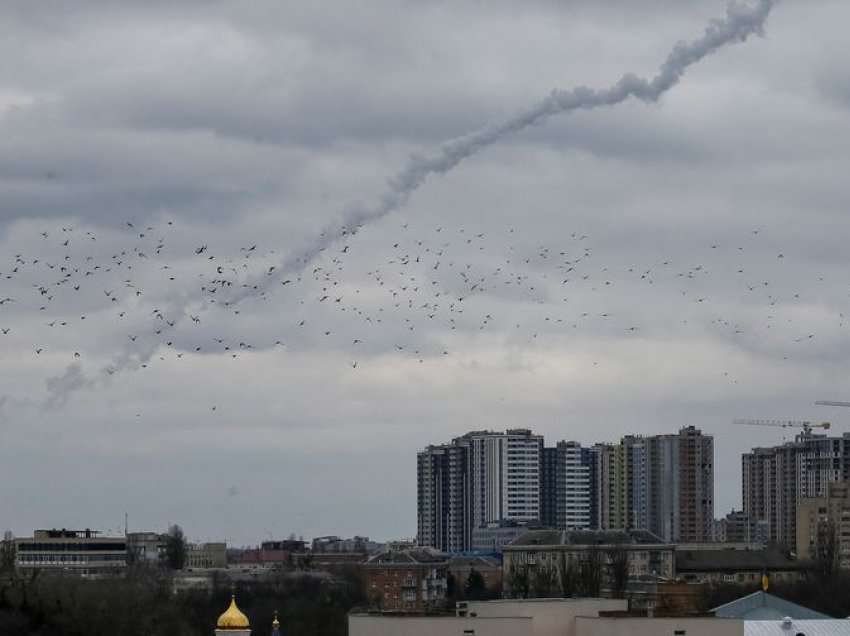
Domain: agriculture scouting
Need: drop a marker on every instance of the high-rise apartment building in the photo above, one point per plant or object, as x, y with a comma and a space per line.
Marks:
610, 479
737, 527
681, 486
775, 479
661, 483
480, 478
567, 493
506, 473
444, 497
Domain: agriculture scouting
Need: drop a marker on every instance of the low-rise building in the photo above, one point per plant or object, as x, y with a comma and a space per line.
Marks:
497, 534
651, 626
490, 569
275, 554
643, 555
206, 555
145, 547
584, 617
538, 617
736, 566
81, 552
334, 544
409, 580
823, 525
374, 624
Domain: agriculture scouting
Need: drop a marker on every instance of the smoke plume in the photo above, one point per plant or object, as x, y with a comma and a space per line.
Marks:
739, 23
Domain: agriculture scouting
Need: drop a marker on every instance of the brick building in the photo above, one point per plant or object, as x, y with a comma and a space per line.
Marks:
410, 580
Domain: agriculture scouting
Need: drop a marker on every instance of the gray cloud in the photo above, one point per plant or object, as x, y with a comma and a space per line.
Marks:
252, 125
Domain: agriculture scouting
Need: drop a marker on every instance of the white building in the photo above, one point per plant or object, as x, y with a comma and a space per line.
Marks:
505, 475
579, 617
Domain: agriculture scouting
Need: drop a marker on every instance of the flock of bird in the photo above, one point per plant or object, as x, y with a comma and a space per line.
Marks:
423, 293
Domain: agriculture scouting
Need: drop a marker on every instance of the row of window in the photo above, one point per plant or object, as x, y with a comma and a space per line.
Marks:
71, 547
69, 558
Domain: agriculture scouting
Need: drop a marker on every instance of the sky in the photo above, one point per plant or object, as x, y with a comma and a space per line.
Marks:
633, 268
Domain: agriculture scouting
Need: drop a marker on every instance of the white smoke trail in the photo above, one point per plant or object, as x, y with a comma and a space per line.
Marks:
738, 25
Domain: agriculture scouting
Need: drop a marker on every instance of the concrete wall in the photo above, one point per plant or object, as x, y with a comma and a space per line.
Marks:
365, 625
552, 617
659, 627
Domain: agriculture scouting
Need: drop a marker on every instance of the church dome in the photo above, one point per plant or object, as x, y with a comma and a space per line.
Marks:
233, 618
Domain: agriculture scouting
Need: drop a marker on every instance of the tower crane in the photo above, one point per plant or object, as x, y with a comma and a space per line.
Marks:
806, 426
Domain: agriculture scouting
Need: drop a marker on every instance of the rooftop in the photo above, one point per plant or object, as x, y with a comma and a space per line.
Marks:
586, 537
734, 560
412, 557
763, 606
829, 627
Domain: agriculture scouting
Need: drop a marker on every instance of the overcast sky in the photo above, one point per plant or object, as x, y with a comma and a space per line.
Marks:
631, 269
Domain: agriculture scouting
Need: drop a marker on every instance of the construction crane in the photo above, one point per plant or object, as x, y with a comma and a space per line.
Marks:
830, 403
805, 425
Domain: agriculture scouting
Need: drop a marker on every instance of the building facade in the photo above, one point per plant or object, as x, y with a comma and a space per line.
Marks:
566, 487
742, 567
505, 475
660, 483
479, 478
497, 534
738, 527
80, 552
775, 479
681, 486
410, 580
206, 555
145, 548
444, 505
823, 525
551, 551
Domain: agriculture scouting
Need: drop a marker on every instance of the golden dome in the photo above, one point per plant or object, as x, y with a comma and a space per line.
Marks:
233, 618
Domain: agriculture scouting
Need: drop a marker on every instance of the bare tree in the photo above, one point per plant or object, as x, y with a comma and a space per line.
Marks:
566, 576
589, 580
618, 570
826, 552
7, 552
518, 580
544, 581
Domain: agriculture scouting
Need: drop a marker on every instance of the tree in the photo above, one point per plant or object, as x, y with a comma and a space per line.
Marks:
826, 551
544, 581
475, 587
566, 576
589, 576
175, 548
518, 581
618, 570
453, 591
7, 552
